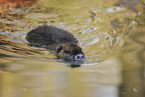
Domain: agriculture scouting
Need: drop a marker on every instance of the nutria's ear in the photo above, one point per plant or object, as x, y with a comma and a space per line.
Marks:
59, 48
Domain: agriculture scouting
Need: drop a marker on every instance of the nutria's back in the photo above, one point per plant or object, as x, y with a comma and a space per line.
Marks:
49, 35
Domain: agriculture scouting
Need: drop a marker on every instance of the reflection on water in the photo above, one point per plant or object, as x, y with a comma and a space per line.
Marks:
35, 78
110, 33
133, 61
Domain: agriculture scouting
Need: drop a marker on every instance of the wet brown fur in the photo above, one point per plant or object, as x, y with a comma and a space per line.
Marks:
59, 41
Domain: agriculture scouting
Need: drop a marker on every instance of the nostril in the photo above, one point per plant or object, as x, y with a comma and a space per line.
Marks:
78, 57
83, 57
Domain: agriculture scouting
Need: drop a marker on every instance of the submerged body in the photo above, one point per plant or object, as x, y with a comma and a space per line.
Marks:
59, 41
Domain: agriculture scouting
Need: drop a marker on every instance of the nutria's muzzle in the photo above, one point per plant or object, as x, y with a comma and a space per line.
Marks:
79, 57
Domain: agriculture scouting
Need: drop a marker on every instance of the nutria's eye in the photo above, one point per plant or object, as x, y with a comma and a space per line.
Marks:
66, 51
59, 49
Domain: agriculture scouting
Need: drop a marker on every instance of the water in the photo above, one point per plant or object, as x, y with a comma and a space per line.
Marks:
111, 34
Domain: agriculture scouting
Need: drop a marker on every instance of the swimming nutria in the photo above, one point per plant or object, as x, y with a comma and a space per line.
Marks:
61, 42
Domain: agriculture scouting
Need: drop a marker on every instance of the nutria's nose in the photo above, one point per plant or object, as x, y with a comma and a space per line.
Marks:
79, 57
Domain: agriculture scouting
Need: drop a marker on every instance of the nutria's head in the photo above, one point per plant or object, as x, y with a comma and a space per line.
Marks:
70, 51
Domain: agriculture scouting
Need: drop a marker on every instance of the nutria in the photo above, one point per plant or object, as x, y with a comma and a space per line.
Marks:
56, 40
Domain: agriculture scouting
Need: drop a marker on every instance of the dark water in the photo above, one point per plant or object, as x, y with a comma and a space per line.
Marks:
111, 34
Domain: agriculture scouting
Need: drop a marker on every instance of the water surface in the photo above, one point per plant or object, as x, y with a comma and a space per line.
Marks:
111, 34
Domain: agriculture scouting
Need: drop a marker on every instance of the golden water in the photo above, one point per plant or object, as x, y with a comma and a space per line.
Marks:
112, 36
